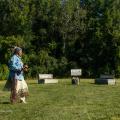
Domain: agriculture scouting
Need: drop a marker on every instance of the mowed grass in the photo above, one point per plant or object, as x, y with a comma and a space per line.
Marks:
64, 101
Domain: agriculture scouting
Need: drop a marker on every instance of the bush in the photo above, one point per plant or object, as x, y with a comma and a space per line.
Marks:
4, 72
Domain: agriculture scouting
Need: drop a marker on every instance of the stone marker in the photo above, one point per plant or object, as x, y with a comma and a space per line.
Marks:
46, 78
106, 79
75, 75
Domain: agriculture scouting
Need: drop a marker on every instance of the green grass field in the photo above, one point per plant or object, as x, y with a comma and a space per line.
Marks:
64, 101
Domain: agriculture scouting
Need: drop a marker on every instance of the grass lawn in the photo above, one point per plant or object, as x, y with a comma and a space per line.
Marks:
64, 101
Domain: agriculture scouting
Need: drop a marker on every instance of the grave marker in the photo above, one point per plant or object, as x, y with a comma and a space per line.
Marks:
106, 79
75, 76
46, 78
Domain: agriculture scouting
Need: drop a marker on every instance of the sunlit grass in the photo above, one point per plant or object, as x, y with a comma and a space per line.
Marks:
64, 101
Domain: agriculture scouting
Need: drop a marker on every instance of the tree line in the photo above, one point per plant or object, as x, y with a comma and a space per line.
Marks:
57, 35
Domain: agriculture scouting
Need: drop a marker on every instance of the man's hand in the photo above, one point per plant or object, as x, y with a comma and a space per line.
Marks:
25, 68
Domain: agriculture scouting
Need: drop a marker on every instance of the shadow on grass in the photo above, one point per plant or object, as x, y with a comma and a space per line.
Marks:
32, 83
5, 103
99, 84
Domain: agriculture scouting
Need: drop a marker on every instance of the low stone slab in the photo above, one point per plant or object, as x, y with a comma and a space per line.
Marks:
47, 81
46, 78
106, 79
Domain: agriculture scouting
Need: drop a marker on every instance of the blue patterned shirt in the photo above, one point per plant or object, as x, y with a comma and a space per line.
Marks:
15, 67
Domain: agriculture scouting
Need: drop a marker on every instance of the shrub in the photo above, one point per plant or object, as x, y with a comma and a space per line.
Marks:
4, 72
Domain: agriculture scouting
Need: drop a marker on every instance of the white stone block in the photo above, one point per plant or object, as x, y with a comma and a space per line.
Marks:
76, 72
45, 76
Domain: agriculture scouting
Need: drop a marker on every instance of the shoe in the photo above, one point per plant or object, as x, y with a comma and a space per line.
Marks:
22, 100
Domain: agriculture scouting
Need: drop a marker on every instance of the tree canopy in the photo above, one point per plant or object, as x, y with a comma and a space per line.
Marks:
57, 35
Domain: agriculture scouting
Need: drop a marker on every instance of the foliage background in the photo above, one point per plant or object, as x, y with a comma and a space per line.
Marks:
57, 35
